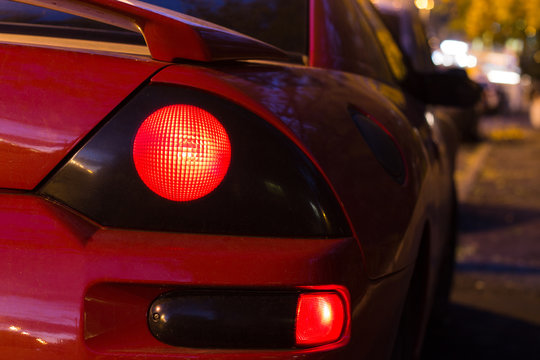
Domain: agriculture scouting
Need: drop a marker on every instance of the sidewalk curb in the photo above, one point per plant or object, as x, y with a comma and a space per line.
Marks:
470, 174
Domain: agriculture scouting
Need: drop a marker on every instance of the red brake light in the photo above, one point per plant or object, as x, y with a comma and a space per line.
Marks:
320, 318
181, 152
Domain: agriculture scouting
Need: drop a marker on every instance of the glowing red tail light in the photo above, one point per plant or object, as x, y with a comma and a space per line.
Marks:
181, 152
320, 319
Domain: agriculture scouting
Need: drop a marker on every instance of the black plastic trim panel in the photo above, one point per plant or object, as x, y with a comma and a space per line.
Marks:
219, 319
271, 188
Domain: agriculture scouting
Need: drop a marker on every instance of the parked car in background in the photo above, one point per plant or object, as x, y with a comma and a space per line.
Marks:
404, 22
172, 188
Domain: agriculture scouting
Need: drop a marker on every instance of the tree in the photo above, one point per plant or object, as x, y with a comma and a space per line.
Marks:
492, 20
496, 21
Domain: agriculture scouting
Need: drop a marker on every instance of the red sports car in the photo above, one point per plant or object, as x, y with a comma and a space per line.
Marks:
175, 189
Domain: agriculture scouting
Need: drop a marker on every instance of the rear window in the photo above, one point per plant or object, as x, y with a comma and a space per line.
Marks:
282, 23
21, 18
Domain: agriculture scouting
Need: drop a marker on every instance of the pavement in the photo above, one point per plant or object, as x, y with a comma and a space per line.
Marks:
495, 302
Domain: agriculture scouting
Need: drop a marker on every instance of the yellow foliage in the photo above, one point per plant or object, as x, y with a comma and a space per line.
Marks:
503, 10
532, 13
499, 19
475, 19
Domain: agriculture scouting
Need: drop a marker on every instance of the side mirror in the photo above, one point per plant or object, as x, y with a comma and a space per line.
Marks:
450, 88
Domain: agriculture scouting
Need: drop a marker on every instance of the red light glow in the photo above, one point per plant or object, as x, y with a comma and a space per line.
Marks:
320, 318
181, 152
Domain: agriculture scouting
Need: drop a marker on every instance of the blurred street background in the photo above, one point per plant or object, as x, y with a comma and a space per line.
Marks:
495, 303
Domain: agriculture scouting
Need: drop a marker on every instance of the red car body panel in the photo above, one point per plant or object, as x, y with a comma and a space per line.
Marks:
66, 291
70, 93
298, 98
73, 281
71, 286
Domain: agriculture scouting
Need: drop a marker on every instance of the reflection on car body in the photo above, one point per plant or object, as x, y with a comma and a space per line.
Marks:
200, 193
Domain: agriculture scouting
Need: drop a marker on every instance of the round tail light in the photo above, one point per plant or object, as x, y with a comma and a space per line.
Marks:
181, 152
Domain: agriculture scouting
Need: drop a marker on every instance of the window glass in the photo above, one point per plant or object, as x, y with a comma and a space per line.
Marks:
390, 48
28, 19
424, 51
282, 23
407, 30
349, 42
392, 20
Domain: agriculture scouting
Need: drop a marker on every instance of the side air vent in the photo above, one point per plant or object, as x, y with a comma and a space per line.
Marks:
382, 144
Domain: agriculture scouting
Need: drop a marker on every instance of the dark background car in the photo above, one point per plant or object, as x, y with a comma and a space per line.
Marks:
403, 20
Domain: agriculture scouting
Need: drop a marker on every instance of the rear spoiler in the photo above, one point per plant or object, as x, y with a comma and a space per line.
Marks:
169, 35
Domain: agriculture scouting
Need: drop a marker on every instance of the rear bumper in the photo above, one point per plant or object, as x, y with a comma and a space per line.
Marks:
54, 262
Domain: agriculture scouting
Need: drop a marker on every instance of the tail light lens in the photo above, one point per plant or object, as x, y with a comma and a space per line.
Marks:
320, 319
181, 152
182, 160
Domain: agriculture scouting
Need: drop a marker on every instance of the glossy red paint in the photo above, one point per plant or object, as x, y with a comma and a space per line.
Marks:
237, 90
295, 99
48, 106
67, 285
223, 84
77, 290
163, 30
318, 47
72, 276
